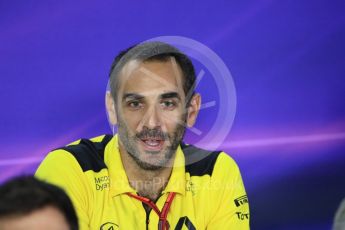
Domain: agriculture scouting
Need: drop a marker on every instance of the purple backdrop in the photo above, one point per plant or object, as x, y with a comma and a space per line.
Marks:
287, 59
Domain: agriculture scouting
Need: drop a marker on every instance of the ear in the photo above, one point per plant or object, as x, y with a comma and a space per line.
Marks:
193, 109
110, 106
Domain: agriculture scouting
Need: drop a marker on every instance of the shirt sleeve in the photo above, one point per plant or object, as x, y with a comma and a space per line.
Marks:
61, 168
230, 207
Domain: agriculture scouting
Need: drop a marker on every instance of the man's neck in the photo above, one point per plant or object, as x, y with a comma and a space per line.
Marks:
148, 183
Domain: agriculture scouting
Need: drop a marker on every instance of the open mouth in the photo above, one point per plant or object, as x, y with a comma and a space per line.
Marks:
152, 144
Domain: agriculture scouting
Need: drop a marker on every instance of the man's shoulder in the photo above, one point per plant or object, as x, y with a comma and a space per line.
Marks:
200, 162
89, 153
102, 139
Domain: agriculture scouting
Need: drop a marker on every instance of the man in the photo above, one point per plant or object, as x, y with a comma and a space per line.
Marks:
145, 177
30, 204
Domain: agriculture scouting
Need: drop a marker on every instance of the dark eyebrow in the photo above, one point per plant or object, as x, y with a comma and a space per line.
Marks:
170, 95
132, 96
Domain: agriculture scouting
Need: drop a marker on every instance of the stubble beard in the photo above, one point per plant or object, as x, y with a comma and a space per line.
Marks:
130, 143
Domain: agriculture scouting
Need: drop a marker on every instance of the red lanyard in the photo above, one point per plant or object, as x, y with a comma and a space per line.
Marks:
163, 223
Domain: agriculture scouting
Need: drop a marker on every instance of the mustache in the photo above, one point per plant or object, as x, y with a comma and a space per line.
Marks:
147, 133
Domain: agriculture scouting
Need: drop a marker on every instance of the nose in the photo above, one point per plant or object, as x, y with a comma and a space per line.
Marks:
151, 118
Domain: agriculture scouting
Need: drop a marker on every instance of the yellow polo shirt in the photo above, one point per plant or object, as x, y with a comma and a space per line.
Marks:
209, 192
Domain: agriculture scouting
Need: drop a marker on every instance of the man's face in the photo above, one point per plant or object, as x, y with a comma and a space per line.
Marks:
151, 111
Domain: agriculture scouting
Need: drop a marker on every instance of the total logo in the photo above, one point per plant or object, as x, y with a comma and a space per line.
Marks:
242, 216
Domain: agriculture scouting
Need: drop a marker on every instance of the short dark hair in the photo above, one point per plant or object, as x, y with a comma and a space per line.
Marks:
154, 51
25, 194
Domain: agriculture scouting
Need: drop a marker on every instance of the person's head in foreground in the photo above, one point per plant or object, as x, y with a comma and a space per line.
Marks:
28, 203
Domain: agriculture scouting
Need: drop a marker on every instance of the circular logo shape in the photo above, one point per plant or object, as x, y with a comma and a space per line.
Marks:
225, 87
213, 137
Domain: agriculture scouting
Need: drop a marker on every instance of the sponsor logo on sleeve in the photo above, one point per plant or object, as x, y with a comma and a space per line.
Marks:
241, 200
242, 216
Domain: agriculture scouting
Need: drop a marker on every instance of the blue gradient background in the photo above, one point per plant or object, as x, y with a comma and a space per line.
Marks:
287, 59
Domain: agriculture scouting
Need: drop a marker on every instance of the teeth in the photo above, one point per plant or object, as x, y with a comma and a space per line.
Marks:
152, 142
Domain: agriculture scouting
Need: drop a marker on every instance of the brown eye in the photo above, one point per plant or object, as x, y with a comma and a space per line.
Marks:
135, 104
169, 104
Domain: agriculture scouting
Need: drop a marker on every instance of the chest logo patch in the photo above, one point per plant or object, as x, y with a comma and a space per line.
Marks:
109, 226
186, 222
102, 183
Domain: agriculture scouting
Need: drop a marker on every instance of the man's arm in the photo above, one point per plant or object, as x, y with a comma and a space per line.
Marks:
62, 169
230, 208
